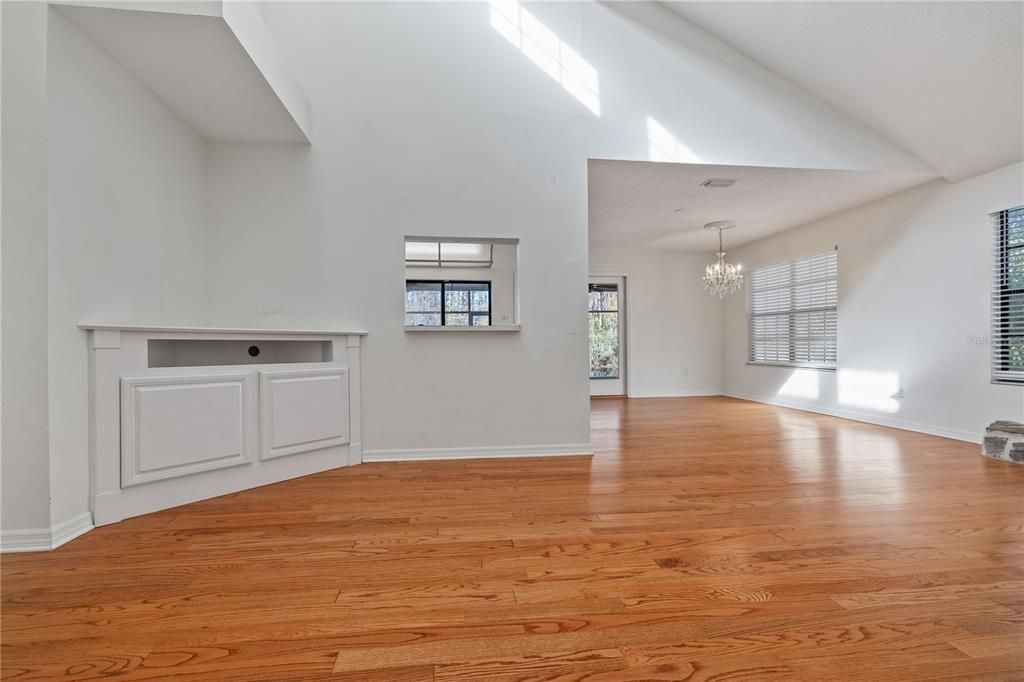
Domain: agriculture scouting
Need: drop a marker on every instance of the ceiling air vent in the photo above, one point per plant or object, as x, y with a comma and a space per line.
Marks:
718, 183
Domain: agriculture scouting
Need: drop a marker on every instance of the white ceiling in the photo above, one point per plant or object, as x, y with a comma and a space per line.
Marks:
943, 80
196, 66
641, 204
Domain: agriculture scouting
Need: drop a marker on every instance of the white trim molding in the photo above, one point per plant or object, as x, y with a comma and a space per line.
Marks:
853, 415
165, 329
72, 528
28, 540
45, 539
485, 452
697, 393
458, 329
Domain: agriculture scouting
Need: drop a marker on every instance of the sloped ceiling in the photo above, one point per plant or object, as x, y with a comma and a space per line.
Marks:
943, 80
639, 204
198, 66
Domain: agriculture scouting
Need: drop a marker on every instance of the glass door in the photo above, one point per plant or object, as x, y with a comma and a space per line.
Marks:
606, 313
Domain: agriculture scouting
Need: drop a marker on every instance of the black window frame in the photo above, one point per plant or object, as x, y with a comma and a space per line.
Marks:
1005, 371
472, 314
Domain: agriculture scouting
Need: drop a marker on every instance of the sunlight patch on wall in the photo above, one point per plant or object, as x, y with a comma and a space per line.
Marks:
869, 389
545, 49
803, 383
662, 145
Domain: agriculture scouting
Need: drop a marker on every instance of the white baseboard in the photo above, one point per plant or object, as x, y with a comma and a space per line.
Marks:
45, 539
489, 452
878, 420
28, 540
683, 394
71, 529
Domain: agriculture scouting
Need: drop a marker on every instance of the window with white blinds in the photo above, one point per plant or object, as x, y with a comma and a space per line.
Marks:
793, 312
1008, 298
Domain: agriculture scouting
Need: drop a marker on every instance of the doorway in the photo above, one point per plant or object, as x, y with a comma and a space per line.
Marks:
606, 311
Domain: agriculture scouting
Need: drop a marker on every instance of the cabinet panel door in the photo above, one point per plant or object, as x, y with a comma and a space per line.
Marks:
303, 410
177, 425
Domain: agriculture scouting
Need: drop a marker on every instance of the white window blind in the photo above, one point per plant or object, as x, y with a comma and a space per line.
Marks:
1008, 297
792, 312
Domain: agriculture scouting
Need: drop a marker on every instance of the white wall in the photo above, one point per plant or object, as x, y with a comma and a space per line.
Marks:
24, 450
915, 272
126, 230
674, 327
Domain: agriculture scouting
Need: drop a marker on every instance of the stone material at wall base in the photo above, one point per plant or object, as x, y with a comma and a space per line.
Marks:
1004, 440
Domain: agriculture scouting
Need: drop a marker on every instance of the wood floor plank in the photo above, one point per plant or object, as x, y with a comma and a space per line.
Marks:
709, 539
534, 666
416, 673
872, 668
997, 645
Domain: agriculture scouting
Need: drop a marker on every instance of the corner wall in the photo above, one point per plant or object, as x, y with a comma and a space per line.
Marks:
116, 233
126, 228
915, 273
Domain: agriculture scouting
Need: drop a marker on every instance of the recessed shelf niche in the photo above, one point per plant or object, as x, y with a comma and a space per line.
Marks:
211, 352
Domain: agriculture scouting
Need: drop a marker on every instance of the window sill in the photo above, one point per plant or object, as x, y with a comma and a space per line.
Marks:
793, 365
491, 328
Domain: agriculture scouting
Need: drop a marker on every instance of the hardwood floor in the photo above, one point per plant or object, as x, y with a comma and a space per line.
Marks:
708, 539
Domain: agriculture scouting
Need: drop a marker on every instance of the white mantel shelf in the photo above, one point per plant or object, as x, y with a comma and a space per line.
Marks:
160, 329
454, 329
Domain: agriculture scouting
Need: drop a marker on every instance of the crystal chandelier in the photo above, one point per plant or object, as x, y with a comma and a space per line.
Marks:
721, 278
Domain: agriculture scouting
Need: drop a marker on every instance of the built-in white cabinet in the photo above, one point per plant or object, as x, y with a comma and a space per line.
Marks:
184, 414
172, 426
299, 409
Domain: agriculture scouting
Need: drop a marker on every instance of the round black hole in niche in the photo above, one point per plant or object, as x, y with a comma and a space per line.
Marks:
254, 351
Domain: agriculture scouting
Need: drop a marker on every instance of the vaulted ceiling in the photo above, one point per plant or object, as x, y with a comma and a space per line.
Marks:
942, 80
637, 204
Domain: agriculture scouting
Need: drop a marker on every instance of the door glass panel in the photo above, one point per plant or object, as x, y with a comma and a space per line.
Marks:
604, 331
604, 297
